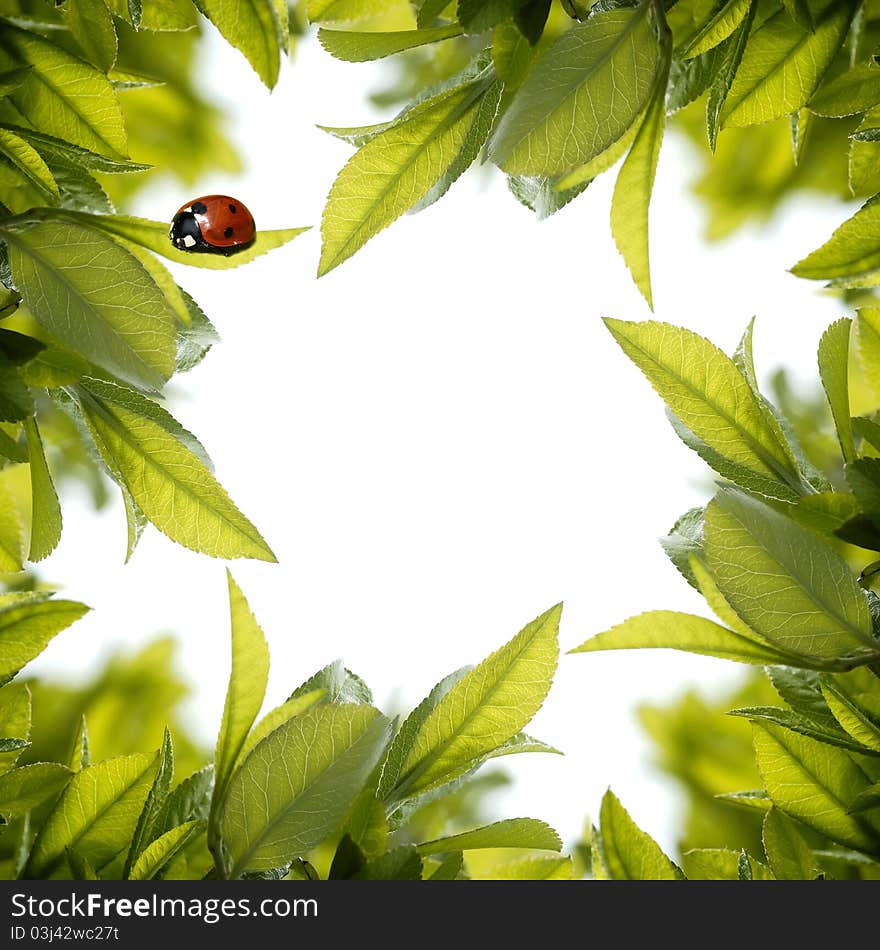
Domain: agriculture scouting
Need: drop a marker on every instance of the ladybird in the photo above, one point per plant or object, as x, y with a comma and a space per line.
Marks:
213, 224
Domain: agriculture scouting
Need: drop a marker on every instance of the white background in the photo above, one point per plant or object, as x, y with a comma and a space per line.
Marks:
440, 440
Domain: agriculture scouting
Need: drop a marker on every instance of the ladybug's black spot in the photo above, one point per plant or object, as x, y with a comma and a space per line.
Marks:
199, 207
233, 209
228, 232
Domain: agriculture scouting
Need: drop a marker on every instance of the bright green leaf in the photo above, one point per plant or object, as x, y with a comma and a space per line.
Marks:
852, 250
297, 784
27, 160
715, 30
789, 855
170, 484
581, 95
278, 716
45, 508
788, 585
706, 391
95, 297
159, 852
95, 815
856, 90
834, 371
509, 833
783, 65
815, 783
484, 709
92, 27
26, 787
355, 47
246, 690
252, 26
628, 853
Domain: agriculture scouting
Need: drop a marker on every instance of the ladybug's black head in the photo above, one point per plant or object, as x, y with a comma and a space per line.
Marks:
185, 233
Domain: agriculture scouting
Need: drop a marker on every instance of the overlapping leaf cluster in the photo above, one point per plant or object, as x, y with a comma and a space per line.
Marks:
93, 324
556, 94
322, 786
785, 556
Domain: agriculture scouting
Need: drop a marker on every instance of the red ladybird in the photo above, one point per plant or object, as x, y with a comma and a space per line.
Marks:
213, 224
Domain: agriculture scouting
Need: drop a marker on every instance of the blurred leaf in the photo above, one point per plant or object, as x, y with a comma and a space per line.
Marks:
537, 868
15, 723
95, 815
597, 77
401, 864
296, 785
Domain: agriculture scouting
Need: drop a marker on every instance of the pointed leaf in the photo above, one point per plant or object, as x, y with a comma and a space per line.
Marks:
509, 833
26, 787
46, 511
353, 47
297, 784
628, 853
581, 95
27, 624
252, 26
157, 854
834, 371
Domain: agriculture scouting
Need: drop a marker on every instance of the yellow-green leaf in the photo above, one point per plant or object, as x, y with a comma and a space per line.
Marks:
45, 508
627, 852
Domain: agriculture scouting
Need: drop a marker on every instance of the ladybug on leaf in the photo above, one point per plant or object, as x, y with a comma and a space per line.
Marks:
213, 224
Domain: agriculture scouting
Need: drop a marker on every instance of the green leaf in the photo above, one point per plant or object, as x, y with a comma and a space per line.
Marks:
11, 79
339, 683
401, 864
278, 716
355, 47
95, 815
719, 864
11, 448
245, 693
19, 348
867, 341
341, 11
802, 725
449, 868
169, 483
159, 852
542, 195
788, 585
628, 853
541, 867
863, 476
53, 148
484, 709
684, 539
856, 90
581, 95
509, 833
706, 391
814, 783
853, 719
95, 297
63, 96
715, 30
16, 401
789, 855
733, 50
92, 27
297, 784
80, 754
15, 722
632, 191
396, 169
252, 26
834, 371
153, 235
144, 832
667, 629
852, 250
28, 162
783, 65
409, 731
24, 788
46, 511
476, 16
